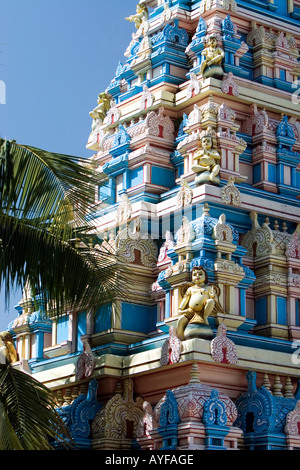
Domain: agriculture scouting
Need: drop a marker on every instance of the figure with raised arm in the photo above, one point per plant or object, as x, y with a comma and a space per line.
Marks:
197, 303
140, 19
212, 64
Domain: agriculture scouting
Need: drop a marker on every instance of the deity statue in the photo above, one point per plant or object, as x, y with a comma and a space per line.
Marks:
198, 303
140, 20
208, 162
102, 109
7, 347
211, 66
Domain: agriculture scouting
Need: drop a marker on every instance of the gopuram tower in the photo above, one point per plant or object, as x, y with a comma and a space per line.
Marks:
197, 144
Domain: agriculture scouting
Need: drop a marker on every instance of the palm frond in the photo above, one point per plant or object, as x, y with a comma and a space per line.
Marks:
28, 417
64, 272
44, 230
45, 187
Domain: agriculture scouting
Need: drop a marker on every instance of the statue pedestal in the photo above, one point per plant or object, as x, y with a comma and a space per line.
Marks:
204, 177
198, 330
215, 71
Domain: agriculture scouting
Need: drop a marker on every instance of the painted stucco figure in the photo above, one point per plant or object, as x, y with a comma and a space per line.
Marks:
198, 302
207, 164
7, 347
103, 107
212, 64
140, 19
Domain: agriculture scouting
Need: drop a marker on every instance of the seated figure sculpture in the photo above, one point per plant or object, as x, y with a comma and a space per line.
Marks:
198, 302
207, 166
211, 66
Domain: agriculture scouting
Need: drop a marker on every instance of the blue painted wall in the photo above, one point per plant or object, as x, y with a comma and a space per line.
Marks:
163, 177
62, 329
81, 329
103, 319
136, 176
138, 318
261, 311
281, 311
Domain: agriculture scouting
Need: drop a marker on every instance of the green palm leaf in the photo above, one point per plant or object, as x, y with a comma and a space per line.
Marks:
44, 187
44, 231
28, 417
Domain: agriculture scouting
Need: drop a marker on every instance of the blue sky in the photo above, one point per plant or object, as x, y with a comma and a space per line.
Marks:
56, 57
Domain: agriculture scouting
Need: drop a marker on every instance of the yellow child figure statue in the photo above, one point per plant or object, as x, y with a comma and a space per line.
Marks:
198, 302
212, 64
207, 166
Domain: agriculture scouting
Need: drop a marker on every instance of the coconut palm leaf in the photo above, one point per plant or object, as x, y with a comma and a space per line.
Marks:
43, 186
67, 273
43, 228
28, 417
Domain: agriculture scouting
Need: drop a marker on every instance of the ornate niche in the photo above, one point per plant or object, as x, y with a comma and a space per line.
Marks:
190, 421
275, 57
117, 423
230, 144
276, 260
220, 256
216, 123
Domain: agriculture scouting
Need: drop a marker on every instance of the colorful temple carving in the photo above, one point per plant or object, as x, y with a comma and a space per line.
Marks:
198, 138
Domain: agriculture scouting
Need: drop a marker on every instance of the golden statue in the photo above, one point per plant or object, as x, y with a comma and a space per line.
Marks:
212, 64
8, 348
208, 162
103, 107
140, 19
198, 303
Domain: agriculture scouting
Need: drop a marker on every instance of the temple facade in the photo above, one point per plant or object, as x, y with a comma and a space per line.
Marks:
197, 143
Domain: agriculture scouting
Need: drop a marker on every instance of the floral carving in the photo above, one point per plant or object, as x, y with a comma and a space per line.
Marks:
159, 125
171, 349
185, 194
207, 5
258, 121
230, 194
85, 364
147, 99
214, 410
292, 426
191, 398
229, 85
167, 245
127, 242
186, 233
145, 424
111, 421
113, 115
293, 247
222, 348
124, 209
259, 241
222, 231
194, 86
